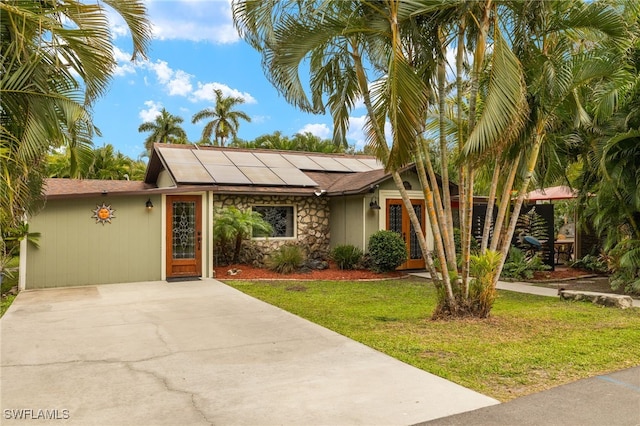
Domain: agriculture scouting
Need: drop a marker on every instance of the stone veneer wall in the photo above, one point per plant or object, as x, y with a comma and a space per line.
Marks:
312, 220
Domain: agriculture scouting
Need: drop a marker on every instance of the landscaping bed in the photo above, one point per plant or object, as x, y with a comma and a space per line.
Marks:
574, 279
333, 273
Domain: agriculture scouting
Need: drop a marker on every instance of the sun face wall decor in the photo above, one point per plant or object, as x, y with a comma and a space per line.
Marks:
103, 214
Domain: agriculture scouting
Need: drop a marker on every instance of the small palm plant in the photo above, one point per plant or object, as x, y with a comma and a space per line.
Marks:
484, 268
231, 226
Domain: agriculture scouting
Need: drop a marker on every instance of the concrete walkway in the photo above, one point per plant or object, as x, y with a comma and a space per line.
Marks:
199, 353
519, 287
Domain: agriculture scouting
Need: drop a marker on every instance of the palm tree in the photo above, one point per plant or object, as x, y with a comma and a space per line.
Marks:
109, 164
311, 143
225, 120
165, 128
231, 226
51, 74
337, 39
400, 40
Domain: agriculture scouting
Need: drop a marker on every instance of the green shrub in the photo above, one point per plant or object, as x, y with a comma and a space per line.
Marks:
387, 251
346, 256
518, 267
624, 265
231, 228
286, 259
591, 263
482, 293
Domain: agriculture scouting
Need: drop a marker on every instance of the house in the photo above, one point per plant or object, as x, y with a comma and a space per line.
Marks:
102, 231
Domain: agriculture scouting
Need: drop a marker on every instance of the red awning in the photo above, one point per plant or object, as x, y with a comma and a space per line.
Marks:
552, 193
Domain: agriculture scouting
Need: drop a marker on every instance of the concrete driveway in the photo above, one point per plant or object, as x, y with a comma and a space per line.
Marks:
199, 353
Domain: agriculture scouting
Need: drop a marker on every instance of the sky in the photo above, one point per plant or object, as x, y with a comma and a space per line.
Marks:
196, 49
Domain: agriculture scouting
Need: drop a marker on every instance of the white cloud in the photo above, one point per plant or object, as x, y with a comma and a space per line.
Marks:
320, 130
175, 82
206, 92
124, 65
356, 135
201, 21
152, 111
161, 69
260, 119
181, 84
117, 26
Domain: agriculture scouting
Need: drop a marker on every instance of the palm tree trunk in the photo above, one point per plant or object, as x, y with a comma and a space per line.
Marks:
466, 198
447, 224
504, 203
428, 193
531, 164
385, 152
445, 227
488, 218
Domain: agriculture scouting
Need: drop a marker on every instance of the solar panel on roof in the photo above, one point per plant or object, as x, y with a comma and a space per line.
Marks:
176, 155
353, 164
330, 164
261, 176
293, 176
241, 158
213, 157
227, 174
190, 173
303, 162
273, 160
372, 162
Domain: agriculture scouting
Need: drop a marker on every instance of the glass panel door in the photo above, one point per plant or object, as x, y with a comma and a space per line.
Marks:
184, 230
184, 236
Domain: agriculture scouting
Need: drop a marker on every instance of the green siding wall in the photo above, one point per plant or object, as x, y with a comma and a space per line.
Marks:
345, 221
75, 250
408, 176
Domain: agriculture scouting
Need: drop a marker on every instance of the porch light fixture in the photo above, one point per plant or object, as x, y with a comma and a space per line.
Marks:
149, 204
373, 205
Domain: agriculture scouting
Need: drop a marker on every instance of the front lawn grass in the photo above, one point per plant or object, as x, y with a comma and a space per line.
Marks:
530, 343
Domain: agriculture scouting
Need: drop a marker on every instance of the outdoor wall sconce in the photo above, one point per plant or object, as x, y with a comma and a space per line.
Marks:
373, 205
149, 204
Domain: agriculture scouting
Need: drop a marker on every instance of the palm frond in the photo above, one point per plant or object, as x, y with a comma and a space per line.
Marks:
505, 106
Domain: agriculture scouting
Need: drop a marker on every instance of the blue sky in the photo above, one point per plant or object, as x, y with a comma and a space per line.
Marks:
196, 49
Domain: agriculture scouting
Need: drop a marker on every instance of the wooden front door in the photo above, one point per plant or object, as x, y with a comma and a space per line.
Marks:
398, 221
184, 236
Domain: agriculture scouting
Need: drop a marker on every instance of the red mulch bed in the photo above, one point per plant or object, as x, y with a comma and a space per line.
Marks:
248, 272
560, 273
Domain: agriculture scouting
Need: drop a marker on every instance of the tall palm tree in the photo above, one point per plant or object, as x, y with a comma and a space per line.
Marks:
51, 73
225, 120
399, 40
338, 39
165, 128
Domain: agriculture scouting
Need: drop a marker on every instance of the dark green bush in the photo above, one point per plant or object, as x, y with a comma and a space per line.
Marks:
591, 263
286, 259
387, 251
346, 256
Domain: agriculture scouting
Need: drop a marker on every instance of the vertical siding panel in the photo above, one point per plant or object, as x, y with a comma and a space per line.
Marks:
74, 250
